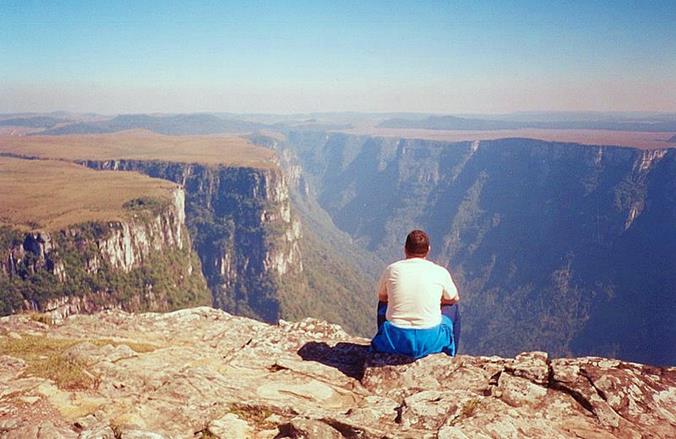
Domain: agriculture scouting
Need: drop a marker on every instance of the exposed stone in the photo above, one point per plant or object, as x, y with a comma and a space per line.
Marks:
103, 432
140, 434
8, 424
517, 391
534, 366
202, 372
308, 429
230, 426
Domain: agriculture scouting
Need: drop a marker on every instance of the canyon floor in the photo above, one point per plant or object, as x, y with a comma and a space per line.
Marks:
201, 372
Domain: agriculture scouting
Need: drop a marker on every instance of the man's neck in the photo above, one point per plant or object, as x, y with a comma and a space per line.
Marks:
416, 256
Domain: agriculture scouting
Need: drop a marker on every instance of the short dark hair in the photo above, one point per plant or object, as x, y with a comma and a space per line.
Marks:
417, 243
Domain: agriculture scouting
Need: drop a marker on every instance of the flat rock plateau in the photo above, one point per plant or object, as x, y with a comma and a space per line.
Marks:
201, 372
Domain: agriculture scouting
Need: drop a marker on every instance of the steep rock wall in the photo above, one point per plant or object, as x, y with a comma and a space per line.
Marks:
242, 228
142, 263
338, 273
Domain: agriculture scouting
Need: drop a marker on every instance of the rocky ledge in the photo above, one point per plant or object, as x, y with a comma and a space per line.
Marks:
204, 373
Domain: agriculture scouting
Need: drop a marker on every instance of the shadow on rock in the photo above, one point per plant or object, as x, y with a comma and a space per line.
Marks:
349, 358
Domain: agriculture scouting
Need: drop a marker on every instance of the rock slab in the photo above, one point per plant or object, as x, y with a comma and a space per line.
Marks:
203, 373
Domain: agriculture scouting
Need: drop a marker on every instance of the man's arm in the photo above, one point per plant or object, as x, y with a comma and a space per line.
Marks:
445, 301
450, 295
382, 288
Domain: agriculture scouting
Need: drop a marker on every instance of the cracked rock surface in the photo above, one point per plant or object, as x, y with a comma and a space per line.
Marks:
204, 373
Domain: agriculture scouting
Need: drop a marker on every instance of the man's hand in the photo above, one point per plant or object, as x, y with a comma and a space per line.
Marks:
451, 301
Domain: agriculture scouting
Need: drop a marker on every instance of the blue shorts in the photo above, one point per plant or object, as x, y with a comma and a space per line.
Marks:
416, 343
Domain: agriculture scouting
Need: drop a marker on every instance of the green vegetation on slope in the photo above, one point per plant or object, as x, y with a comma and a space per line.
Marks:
330, 288
338, 279
234, 219
162, 282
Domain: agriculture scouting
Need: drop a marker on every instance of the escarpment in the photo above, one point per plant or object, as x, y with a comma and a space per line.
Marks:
243, 230
141, 261
203, 372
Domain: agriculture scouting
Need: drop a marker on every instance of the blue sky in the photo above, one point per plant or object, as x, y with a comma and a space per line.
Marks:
296, 56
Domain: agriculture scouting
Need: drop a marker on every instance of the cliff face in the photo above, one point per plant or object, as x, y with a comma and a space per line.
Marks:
242, 229
202, 372
338, 276
559, 247
92, 266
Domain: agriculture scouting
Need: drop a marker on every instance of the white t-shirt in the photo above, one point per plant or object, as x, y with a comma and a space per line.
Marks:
414, 288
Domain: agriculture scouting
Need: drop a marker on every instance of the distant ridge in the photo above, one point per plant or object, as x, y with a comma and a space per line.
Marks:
32, 122
180, 124
461, 123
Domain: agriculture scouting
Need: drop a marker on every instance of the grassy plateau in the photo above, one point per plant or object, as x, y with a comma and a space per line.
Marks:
142, 145
52, 194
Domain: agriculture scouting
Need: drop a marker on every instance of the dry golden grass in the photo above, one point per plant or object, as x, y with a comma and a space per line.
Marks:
50, 194
139, 348
41, 317
45, 357
142, 145
633, 139
470, 407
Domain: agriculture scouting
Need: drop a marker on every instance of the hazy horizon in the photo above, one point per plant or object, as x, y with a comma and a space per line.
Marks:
618, 113
309, 57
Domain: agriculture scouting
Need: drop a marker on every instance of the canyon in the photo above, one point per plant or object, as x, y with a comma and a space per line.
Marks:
559, 247
556, 246
238, 218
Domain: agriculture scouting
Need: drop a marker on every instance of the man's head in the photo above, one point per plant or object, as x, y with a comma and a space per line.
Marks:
417, 244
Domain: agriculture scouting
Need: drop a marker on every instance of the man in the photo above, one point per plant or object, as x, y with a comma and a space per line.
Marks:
417, 305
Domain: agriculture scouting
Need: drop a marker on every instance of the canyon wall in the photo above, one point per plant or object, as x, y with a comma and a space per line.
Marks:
560, 247
242, 228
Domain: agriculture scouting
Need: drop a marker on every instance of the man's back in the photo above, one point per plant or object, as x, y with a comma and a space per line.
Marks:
414, 288
416, 315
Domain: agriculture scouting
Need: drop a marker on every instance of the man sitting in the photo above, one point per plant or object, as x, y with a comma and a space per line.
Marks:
417, 311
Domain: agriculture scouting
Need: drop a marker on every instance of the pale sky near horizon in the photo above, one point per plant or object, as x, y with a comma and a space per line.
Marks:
306, 56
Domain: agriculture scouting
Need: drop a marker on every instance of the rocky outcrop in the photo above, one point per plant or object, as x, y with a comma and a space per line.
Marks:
204, 373
91, 266
242, 228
